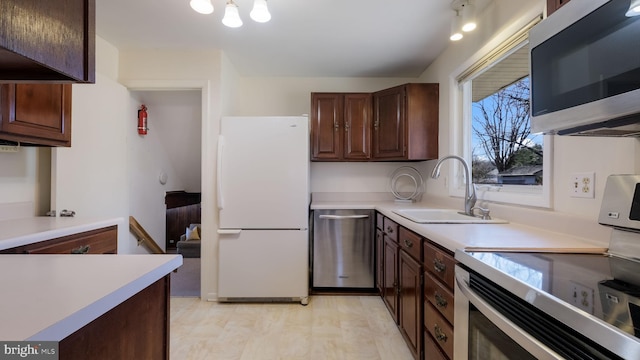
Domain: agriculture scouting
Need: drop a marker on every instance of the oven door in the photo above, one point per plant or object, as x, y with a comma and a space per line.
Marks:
482, 332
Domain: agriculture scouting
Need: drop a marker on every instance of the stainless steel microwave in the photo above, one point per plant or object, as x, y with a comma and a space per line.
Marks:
585, 70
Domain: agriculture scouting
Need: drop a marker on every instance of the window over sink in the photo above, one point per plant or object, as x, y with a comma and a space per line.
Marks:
492, 128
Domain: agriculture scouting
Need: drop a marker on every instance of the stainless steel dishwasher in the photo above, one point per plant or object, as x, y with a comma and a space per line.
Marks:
343, 249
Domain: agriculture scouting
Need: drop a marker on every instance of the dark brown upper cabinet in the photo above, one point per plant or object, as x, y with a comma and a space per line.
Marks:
553, 5
340, 126
36, 113
47, 41
395, 124
405, 123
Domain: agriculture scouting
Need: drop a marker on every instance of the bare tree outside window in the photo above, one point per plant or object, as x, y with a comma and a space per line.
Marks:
504, 150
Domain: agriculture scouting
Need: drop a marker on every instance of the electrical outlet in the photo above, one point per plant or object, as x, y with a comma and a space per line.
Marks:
8, 148
582, 185
581, 296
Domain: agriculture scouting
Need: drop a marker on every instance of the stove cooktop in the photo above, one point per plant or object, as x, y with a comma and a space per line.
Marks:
603, 286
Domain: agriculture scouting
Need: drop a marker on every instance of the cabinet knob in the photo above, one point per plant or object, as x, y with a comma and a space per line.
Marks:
440, 335
81, 250
408, 243
439, 266
441, 301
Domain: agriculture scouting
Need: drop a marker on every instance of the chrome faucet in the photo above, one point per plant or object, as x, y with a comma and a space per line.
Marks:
469, 190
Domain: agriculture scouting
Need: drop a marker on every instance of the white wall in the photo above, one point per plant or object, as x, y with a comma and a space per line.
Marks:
601, 155
273, 96
175, 118
356, 177
91, 176
18, 175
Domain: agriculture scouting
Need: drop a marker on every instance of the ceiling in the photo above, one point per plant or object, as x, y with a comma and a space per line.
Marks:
321, 38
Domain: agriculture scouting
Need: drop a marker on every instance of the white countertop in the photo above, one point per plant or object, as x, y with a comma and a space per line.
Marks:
18, 232
55, 295
504, 237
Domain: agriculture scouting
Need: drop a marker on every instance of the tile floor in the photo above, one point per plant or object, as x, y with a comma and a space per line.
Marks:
330, 327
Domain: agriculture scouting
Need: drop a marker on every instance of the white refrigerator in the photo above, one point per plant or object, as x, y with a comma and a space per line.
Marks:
263, 203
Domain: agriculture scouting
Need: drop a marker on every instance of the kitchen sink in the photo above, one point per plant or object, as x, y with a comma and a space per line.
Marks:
443, 216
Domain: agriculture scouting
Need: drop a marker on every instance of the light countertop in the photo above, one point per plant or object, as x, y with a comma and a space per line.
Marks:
55, 295
478, 237
23, 231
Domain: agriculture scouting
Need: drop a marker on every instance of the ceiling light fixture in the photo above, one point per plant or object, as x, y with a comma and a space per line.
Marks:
456, 34
468, 17
260, 12
231, 15
465, 18
202, 6
634, 8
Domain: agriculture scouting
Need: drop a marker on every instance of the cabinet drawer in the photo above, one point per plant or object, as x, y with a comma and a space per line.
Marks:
391, 229
431, 350
439, 263
439, 328
379, 221
99, 241
411, 243
439, 296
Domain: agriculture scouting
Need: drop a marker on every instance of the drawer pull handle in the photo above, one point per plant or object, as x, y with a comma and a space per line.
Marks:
440, 335
408, 243
439, 266
389, 230
441, 301
81, 250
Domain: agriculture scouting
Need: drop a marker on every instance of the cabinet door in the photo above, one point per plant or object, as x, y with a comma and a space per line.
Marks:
410, 318
390, 277
553, 5
99, 241
326, 123
389, 124
357, 126
50, 40
379, 260
36, 113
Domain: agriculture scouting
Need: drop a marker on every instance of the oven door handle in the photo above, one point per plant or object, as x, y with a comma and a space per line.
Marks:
528, 342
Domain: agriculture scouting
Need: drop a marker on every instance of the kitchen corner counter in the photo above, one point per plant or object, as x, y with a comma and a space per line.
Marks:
49, 297
477, 237
24, 231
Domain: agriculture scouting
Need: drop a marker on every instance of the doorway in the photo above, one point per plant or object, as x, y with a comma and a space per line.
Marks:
165, 178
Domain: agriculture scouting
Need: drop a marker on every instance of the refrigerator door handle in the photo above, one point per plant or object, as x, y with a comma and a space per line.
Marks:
229, 231
219, 171
341, 217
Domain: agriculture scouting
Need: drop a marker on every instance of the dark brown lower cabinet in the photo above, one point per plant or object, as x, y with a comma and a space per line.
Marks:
431, 349
439, 266
138, 328
98, 241
410, 274
439, 329
379, 260
417, 288
390, 280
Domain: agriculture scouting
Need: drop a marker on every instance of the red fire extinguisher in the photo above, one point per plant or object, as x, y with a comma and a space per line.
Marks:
142, 120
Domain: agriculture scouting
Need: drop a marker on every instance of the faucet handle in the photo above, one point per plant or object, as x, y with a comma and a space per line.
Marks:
484, 212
